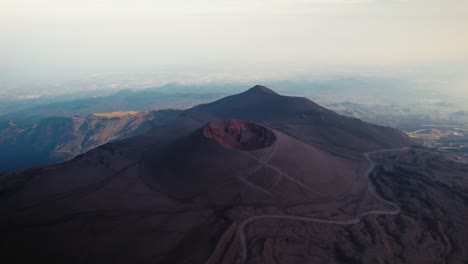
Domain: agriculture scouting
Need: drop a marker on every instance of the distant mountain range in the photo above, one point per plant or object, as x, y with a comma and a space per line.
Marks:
59, 138
368, 91
125, 100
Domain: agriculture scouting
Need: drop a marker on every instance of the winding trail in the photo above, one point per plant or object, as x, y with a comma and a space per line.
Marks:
355, 220
241, 177
264, 163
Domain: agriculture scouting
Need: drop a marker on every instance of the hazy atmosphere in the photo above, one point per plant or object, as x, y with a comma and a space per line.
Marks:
50, 41
234, 131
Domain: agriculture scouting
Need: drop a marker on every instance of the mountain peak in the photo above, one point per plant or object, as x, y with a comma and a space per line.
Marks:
262, 89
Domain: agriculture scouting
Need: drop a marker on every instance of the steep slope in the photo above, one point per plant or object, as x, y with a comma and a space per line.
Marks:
303, 119
239, 191
213, 165
57, 139
179, 177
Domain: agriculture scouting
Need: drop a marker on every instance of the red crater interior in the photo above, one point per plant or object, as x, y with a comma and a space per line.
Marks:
240, 135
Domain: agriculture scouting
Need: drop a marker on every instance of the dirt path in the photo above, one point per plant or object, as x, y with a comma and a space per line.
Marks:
355, 220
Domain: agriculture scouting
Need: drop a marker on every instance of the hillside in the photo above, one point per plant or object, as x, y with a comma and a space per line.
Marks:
57, 139
233, 190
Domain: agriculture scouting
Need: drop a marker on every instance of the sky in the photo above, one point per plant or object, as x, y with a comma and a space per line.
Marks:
46, 40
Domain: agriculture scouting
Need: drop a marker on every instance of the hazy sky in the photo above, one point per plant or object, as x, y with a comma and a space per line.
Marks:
47, 39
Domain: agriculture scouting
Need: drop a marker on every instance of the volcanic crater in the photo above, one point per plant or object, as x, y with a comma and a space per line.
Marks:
239, 135
233, 191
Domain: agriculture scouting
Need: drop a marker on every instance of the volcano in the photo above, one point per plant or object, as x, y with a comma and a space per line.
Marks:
303, 119
227, 162
252, 178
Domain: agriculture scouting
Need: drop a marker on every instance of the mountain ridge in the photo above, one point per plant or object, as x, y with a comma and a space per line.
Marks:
222, 190
63, 138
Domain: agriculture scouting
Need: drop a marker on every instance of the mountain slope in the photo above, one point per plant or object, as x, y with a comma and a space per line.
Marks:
57, 139
240, 191
173, 96
304, 120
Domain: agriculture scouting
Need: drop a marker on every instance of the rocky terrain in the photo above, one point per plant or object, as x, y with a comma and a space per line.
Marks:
252, 178
57, 139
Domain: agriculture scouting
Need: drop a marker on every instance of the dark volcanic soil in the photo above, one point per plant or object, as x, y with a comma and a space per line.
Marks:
238, 134
229, 162
294, 183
